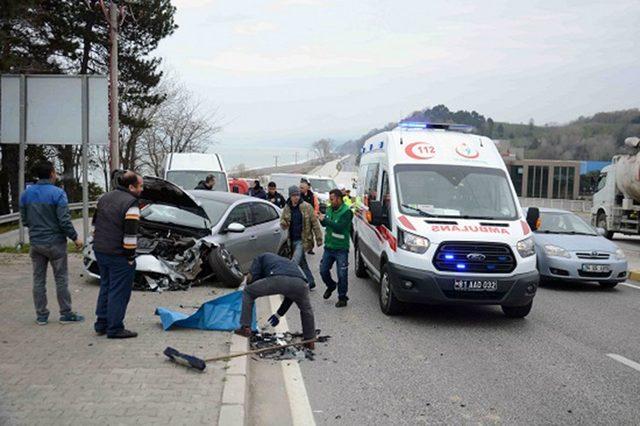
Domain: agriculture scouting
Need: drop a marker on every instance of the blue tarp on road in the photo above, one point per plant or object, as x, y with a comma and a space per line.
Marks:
222, 313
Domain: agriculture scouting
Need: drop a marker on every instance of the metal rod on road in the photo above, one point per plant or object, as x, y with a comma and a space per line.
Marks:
22, 148
85, 155
114, 146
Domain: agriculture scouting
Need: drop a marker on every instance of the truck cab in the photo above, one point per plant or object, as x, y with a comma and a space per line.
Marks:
440, 222
604, 199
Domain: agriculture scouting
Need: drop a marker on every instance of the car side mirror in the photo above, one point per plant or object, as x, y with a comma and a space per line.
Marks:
379, 213
235, 227
601, 231
533, 218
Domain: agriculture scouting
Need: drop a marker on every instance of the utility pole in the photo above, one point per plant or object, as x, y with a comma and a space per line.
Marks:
114, 124
276, 157
296, 162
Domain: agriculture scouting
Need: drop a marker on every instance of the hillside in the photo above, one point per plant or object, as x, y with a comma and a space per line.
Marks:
598, 137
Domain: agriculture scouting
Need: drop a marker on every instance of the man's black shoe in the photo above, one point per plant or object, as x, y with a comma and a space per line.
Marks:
311, 252
327, 293
341, 303
123, 334
100, 333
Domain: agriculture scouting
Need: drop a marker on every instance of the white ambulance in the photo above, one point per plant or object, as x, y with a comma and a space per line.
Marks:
441, 222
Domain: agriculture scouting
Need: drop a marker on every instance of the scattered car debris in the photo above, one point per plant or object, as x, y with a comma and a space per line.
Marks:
264, 340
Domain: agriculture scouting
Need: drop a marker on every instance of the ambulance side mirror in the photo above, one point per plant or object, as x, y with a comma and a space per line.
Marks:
379, 213
533, 218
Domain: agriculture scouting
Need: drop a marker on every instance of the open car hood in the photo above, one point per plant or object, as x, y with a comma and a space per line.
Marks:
160, 191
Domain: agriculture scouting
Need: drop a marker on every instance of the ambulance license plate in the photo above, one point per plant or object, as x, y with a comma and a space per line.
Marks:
475, 285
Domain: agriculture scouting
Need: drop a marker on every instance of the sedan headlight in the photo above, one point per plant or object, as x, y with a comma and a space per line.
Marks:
556, 251
620, 255
526, 247
413, 243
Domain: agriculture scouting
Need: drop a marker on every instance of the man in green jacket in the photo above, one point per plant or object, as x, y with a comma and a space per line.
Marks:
337, 222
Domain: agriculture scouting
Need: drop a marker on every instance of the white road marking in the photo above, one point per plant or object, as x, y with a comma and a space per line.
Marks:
625, 361
301, 413
630, 285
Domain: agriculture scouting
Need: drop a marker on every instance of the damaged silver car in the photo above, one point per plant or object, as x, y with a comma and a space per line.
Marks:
187, 238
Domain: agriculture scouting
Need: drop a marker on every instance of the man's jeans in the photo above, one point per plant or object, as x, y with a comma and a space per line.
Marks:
290, 287
56, 254
116, 282
341, 257
300, 258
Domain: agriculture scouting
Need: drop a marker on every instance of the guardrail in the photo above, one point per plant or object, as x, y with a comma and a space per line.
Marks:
578, 206
14, 217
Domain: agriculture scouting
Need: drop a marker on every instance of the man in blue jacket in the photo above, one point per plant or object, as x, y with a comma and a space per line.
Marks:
45, 211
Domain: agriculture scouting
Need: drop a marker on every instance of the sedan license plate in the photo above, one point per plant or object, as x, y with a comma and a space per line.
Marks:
475, 285
594, 267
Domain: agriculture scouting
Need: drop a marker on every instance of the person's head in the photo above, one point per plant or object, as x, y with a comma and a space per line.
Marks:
46, 171
335, 197
256, 184
132, 182
343, 190
272, 188
304, 186
210, 181
294, 195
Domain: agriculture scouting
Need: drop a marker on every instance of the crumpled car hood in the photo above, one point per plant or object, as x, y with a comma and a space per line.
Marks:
160, 191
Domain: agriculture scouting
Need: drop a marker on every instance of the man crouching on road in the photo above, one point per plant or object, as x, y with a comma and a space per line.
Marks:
272, 274
114, 243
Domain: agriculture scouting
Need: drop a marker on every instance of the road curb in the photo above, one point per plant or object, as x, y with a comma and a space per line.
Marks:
634, 275
235, 395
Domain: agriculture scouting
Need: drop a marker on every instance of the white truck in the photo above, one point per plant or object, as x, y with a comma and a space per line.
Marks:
616, 204
186, 169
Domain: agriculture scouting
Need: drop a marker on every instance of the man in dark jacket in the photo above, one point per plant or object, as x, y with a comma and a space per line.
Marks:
114, 243
207, 184
257, 190
274, 196
44, 209
272, 274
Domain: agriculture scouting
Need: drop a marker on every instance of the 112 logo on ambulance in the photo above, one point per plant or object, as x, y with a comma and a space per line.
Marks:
420, 151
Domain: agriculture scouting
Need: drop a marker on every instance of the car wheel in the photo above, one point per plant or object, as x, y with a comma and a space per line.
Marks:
389, 304
225, 266
517, 311
601, 222
361, 270
607, 284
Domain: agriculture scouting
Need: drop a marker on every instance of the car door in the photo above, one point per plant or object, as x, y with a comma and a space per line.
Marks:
267, 227
371, 246
243, 244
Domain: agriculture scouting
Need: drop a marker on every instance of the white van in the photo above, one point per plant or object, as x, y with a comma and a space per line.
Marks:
320, 185
441, 222
186, 169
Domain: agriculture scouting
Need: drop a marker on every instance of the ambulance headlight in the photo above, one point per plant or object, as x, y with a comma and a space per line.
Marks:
526, 247
413, 243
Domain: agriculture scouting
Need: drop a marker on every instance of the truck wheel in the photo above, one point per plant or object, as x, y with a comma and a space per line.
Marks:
608, 284
601, 222
388, 302
517, 311
225, 266
361, 270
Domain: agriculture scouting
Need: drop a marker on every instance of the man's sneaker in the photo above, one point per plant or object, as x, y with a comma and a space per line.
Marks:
327, 293
101, 332
310, 345
312, 286
71, 318
243, 331
341, 303
42, 320
123, 334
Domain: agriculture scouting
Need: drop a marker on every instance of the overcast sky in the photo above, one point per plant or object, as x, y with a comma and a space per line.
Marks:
294, 71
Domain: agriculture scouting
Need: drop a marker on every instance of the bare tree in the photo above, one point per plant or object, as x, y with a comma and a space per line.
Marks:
177, 125
322, 148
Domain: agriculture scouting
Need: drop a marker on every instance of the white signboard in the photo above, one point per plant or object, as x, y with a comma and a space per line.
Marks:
54, 110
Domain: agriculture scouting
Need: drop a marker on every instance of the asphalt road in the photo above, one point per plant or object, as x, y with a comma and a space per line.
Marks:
472, 364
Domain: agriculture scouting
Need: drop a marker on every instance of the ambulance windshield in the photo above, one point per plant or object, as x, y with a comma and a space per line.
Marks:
454, 192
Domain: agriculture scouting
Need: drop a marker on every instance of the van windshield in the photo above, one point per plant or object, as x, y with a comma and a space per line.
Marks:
189, 179
322, 185
454, 192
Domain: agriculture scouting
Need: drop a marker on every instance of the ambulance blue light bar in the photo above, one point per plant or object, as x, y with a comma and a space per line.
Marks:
443, 126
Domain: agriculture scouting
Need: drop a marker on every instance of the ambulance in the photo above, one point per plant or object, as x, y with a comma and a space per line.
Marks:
440, 222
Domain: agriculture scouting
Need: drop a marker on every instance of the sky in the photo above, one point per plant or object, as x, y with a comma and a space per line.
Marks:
280, 74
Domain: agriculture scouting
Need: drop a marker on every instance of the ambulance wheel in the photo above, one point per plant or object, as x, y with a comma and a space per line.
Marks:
517, 311
361, 270
389, 304
225, 266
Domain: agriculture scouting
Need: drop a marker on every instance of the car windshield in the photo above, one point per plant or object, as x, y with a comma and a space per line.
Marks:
189, 179
170, 215
322, 185
563, 223
455, 192
214, 209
